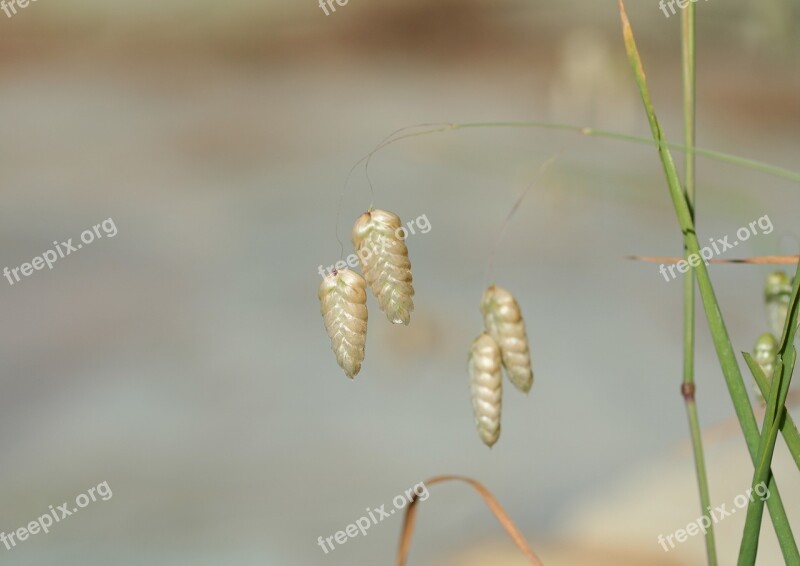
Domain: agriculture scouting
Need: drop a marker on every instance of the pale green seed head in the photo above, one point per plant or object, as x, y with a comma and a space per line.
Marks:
778, 287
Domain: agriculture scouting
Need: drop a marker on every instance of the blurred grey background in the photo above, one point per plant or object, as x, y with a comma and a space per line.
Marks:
184, 361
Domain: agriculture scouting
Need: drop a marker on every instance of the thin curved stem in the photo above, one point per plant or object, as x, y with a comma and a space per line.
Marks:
385, 141
767, 168
747, 163
758, 260
542, 168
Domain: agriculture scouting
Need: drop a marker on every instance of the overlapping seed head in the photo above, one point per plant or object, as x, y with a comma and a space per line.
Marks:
378, 237
777, 295
503, 321
343, 304
765, 353
486, 387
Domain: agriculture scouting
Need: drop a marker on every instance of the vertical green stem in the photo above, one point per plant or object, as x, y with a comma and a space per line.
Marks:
773, 420
688, 388
716, 324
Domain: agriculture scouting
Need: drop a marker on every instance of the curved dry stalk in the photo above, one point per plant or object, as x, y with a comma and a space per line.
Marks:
502, 517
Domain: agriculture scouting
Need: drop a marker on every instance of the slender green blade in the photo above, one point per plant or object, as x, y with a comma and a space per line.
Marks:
789, 430
719, 333
773, 420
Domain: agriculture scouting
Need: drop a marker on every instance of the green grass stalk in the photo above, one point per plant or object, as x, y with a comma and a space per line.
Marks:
773, 417
719, 333
688, 33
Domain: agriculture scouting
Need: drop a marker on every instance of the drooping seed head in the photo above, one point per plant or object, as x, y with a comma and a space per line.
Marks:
777, 296
486, 387
378, 237
343, 304
778, 283
503, 321
765, 353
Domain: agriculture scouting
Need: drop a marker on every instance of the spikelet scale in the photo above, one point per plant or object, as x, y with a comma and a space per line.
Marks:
378, 237
343, 304
503, 321
765, 354
777, 295
486, 387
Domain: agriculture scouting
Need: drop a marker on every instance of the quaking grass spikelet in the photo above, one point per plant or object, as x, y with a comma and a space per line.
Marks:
378, 237
486, 387
503, 321
343, 304
765, 354
777, 295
